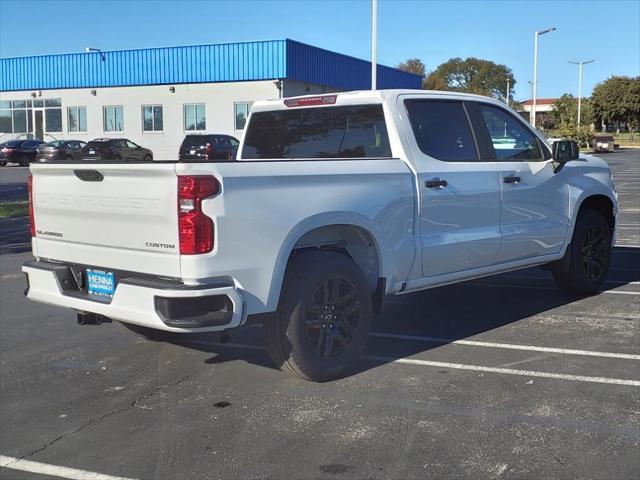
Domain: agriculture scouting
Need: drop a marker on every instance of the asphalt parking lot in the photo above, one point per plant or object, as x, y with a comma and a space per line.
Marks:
504, 377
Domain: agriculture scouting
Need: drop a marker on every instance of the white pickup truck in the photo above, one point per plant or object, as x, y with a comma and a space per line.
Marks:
334, 202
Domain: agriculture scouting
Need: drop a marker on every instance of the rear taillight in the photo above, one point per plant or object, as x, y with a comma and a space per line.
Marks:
7, 150
195, 228
32, 220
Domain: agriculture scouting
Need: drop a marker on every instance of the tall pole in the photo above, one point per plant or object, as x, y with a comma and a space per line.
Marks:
534, 90
508, 90
535, 72
580, 64
374, 43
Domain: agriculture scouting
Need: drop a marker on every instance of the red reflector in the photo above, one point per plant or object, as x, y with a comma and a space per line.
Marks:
32, 220
309, 101
194, 227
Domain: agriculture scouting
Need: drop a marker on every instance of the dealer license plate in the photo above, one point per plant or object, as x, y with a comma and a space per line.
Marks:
100, 282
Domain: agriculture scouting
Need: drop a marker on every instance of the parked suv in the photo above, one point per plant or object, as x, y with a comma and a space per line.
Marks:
22, 152
60, 150
208, 146
334, 202
115, 149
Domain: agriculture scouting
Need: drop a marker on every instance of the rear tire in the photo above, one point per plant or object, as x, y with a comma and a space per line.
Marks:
3, 163
586, 268
321, 327
150, 333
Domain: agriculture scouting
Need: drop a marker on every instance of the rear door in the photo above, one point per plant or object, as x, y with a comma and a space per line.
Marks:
534, 212
459, 188
112, 215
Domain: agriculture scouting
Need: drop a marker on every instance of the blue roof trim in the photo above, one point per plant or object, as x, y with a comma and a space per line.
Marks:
226, 62
324, 67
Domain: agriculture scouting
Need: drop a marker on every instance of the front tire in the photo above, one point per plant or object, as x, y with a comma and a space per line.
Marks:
586, 268
148, 158
323, 321
24, 161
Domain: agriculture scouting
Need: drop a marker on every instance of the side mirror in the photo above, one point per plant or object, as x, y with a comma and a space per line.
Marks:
565, 150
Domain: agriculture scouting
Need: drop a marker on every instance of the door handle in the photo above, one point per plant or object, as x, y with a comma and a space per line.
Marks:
436, 183
511, 179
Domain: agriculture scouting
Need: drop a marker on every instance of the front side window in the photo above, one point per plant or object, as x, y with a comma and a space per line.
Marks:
442, 130
77, 119
511, 140
241, 110
194, 117
324, 132
113, 118
152, 120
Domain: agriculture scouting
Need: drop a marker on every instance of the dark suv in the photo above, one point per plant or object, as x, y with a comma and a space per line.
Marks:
207, 146
115, 149
61, 150
19, 151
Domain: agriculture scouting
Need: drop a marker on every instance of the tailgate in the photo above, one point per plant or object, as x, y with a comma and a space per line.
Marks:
118, 216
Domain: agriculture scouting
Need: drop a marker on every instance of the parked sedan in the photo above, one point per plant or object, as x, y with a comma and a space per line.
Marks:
22, 152
116, 149
60, 150
208, 146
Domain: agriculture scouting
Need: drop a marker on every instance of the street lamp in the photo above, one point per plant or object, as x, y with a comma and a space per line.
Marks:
91, 49
535, 71
580, 64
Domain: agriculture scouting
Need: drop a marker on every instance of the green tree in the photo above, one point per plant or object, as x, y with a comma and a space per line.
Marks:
618, 99
565, 110
472, 75
413, 65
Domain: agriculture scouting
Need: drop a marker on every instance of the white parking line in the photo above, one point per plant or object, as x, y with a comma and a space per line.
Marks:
509, 346
460, 366
53, 470
530, 287
535, 277
505, 371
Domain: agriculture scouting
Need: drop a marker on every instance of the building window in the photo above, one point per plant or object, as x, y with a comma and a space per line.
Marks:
113, 118
241, 110
152, 118
195, 116
15, 116
77, 119
53, 115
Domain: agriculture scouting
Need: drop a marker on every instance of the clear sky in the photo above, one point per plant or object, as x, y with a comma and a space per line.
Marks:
434, 31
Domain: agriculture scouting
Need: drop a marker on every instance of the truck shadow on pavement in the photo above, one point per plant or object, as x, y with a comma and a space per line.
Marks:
426, 320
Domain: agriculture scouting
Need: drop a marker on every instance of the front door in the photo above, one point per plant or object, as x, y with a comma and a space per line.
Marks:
535, 200
38, 124
459, 189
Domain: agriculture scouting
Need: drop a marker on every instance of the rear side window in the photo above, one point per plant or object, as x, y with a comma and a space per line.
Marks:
442, 130
324, 132
511, 140
196, 141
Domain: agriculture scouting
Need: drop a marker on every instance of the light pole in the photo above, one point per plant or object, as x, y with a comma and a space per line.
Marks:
508, 90
535, 71
580, 64
374, 42
91, 49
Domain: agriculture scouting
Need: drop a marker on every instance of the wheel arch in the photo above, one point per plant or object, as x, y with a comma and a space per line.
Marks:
353, 235
602, 204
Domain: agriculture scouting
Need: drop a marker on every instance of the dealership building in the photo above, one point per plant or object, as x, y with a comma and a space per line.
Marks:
156, 96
